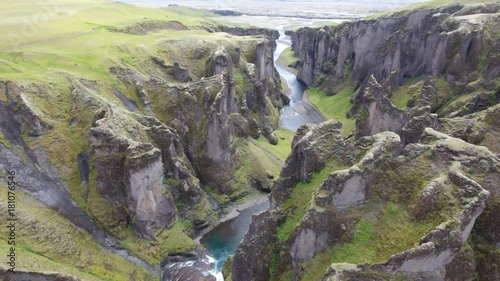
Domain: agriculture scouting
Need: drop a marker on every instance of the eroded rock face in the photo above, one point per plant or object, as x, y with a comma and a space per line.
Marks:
253, 31
312, 147
131, 174
378, 114
416, 43
158, 141
262, 232
435, 168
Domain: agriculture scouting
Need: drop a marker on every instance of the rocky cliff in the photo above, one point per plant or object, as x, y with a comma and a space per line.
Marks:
454, 41
140, 149
411, 194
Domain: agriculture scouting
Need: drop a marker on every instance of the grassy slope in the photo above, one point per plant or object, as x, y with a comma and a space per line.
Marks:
283, 148
403, 93
47, 242
334, 107
374, 241
432, 4
71, 40
286, 58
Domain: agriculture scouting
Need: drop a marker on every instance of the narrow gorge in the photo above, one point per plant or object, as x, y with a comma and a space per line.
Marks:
410, 190
172, 144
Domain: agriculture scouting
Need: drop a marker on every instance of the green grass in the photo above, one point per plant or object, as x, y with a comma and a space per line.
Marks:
174, 240
334, 107
296, 206
77, 39
357, 251
403, 93
373, 241
284, 146
255, 164
50, 20
287, 57
76, 50
47, 242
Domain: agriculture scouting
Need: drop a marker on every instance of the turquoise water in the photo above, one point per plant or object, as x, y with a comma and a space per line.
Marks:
225, 238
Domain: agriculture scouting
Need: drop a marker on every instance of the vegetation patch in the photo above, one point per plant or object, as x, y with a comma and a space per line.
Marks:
173, 240
375, 239
4, 141
357, 251
286, 58
296, 206
47, 237
284, 146
443, 96
256, 167
405, 92
334, 107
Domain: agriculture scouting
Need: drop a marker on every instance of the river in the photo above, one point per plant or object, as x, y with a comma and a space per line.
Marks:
299, 111
225, 238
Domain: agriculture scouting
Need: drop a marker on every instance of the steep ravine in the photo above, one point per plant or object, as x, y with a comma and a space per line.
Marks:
297, 112
413, 193
133, 161
223, 240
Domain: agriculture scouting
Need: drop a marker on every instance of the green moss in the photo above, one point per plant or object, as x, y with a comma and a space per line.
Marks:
334, 107
255, 165
172, 240
284, 146
411, 87
287, 276
396, 232
4, 141
373, 241
296, 206
356, 251
3, 96
222, 199
286, 58
52, 243
404, 182
443, 96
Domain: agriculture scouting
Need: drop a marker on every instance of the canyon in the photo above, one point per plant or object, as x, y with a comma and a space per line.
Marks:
132, 131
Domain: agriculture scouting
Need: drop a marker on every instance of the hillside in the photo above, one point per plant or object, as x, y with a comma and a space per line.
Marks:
128, 130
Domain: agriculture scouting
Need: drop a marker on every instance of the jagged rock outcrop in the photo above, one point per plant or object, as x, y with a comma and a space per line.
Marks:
378, 114
422, 201
272, 34
477, 128
440, 182
140, 195
139, 148
312, 148
130, 174
262, 231
41, 179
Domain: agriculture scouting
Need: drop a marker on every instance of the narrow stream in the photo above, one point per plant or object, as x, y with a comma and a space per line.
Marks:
225, 238
298, 112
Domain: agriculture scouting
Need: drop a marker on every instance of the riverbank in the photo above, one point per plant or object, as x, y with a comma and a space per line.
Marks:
233, 212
